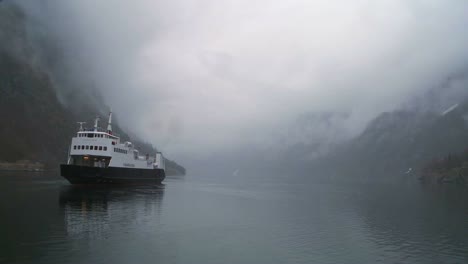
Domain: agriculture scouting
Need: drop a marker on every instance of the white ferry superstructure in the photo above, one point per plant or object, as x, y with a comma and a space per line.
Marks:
98, 156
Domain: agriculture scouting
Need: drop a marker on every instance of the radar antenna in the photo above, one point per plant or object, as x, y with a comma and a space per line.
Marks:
81, 125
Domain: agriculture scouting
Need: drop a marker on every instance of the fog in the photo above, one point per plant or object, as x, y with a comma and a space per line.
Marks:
198, 78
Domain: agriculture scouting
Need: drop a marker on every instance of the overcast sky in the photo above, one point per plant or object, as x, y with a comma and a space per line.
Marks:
199, 76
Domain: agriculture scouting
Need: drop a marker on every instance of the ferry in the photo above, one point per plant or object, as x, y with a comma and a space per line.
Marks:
97, 156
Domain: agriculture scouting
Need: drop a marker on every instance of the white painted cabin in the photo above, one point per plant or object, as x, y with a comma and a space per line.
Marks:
98, 148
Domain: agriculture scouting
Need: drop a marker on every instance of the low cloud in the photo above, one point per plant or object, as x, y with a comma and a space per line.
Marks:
200, 77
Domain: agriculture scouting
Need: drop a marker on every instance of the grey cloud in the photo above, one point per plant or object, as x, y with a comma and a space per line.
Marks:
197, 77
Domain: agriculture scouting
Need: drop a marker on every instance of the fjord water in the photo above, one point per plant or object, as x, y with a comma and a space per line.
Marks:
235, 219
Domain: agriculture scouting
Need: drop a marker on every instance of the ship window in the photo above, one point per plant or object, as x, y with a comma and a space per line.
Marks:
78, 147
105, 148
100, 147
95, 147
74, 147
82, 146
87, 147
90, 135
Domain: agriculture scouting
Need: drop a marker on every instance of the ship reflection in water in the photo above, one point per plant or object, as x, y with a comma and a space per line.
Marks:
94, 212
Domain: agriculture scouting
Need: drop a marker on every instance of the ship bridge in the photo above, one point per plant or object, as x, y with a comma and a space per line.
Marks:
93, 147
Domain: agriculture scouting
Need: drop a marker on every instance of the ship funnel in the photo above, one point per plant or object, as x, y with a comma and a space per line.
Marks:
109, 124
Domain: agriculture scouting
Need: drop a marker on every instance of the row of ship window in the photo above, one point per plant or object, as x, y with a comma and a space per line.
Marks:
99, 148
90, 147
120, 150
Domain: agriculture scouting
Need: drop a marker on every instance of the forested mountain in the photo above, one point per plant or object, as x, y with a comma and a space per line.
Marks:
39, 104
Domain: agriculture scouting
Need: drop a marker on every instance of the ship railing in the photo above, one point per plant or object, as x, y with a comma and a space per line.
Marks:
99, 130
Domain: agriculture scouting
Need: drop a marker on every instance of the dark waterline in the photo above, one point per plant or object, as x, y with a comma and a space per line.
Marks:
240, 220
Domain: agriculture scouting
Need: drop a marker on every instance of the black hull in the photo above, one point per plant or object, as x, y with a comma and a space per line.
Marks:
111, 175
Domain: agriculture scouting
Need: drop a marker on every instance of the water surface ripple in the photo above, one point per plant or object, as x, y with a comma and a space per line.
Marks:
200, 220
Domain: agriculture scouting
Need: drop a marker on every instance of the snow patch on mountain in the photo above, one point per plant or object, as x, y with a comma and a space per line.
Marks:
450, 109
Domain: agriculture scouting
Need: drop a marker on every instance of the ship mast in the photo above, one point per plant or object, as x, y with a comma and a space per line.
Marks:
96, 124
109, 124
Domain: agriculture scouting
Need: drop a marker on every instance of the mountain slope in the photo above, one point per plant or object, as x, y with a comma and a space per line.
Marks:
399, 143
35, 123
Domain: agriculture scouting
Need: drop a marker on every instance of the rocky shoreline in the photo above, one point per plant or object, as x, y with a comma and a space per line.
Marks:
449, 170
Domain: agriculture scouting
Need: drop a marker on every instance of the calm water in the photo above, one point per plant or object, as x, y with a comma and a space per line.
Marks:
250, 220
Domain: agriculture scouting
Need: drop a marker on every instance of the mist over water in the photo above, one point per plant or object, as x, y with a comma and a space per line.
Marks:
200, 78
304, 127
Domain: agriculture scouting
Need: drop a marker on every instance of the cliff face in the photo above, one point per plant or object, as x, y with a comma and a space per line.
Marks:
36, 123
